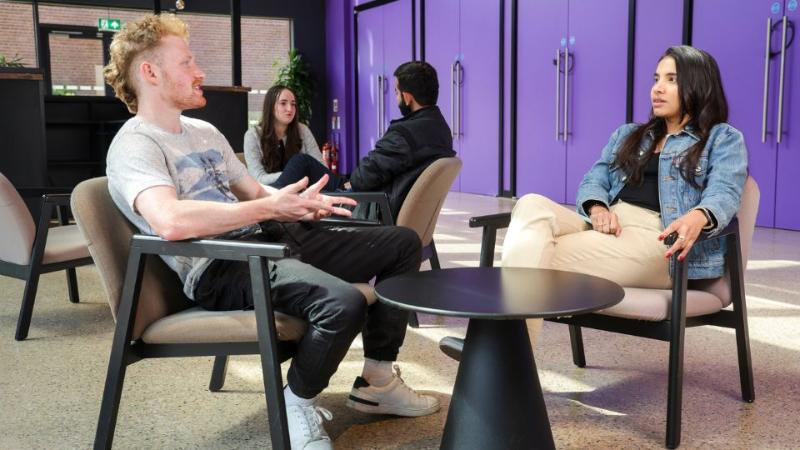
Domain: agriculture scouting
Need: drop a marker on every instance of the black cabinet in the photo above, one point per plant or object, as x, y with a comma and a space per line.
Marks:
79, 131
22, 152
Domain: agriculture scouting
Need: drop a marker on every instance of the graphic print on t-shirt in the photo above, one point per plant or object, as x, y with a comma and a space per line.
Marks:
207, 169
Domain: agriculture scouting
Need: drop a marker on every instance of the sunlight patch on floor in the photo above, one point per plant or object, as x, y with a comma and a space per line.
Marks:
763, 264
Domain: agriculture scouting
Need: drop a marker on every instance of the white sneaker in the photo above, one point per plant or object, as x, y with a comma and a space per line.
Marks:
394, 398
305, 427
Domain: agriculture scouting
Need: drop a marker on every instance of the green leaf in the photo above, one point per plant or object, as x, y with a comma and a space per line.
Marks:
16, 61
294, 74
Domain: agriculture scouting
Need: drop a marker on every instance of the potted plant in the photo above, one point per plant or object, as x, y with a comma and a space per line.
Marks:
294, 75
16, 61
11, 64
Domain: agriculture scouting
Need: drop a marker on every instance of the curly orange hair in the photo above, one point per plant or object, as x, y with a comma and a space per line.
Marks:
135, 39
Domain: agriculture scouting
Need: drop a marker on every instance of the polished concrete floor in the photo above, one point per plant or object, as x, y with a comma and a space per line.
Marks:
50, 385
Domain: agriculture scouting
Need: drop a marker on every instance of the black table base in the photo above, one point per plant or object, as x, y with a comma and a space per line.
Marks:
497, 400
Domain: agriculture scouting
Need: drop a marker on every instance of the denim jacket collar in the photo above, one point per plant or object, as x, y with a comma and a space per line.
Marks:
688, 129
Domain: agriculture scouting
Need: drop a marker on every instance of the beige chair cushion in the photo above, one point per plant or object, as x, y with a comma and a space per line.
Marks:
196, 325
64, 243
422, 205
108, 235
241, 157
17, 230
703, 296
654, 304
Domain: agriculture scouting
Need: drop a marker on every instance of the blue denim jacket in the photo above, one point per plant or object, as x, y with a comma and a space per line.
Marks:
721, 172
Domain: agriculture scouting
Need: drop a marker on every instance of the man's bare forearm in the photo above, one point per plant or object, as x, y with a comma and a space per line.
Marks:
186, 219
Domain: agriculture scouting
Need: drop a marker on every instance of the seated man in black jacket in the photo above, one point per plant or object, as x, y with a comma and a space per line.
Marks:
412, 142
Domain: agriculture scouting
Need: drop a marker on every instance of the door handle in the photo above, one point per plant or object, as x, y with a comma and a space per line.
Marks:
453, 100
459, 81
766, 82
379, 104
566, 93
384, 91
557, 63
779, 129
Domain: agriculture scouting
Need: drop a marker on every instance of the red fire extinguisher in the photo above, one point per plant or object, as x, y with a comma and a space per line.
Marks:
326, 155
334, 155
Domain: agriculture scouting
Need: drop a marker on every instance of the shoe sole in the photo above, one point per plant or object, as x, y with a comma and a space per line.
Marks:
397, 411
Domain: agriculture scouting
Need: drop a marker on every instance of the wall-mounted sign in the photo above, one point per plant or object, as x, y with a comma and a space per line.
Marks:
108, 24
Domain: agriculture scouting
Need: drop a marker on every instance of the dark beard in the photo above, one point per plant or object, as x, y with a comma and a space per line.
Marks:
405, 110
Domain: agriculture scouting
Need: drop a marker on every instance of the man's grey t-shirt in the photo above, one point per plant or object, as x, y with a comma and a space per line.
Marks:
198, 162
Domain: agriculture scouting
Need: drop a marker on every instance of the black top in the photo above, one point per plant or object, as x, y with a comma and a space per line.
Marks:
645, 194
408, 147
499, 293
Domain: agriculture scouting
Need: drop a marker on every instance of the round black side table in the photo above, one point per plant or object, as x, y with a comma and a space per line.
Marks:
497, 400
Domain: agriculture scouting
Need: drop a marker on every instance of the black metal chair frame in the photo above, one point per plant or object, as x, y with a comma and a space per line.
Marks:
30, 272
124, 352
671, 330
386, 218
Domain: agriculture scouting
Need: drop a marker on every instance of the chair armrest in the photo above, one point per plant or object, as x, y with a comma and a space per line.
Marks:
371, 197
209, 248
496, 221
57, 199
33, 192
490, 223
347, 222
732, 228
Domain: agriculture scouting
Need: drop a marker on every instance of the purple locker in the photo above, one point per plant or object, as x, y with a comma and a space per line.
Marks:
369, 66
442, 51
737, 38
384, 41
590, 39
658, 26
396, 50
477, 124
787, 200
541, 151
462, 42
598, 41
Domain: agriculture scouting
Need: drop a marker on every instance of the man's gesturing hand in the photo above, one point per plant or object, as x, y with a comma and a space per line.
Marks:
313, 193
296, 202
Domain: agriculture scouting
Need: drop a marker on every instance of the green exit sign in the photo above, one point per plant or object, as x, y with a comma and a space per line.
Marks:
109, 24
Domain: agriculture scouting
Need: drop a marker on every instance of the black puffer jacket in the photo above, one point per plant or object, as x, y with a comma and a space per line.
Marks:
409, 145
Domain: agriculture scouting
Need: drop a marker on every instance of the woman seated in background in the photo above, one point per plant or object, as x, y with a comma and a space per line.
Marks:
280, 150
681, 172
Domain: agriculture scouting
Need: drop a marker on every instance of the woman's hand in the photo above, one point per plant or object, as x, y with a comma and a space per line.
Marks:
604, 220
689, 226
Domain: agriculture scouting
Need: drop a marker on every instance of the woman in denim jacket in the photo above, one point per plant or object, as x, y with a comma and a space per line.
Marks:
683, 171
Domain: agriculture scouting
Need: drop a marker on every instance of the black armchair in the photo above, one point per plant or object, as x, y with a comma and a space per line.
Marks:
29, 250
155, 320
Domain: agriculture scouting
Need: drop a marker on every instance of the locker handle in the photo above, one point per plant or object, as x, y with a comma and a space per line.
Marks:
566, 93
453, 100
557, 63
379, 94
459, 82
779, 129
766, 82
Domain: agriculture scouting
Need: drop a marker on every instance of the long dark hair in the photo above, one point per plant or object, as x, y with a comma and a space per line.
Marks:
702, 101
273, 160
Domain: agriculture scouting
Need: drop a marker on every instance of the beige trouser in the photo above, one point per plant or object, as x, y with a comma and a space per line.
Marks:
547, 235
